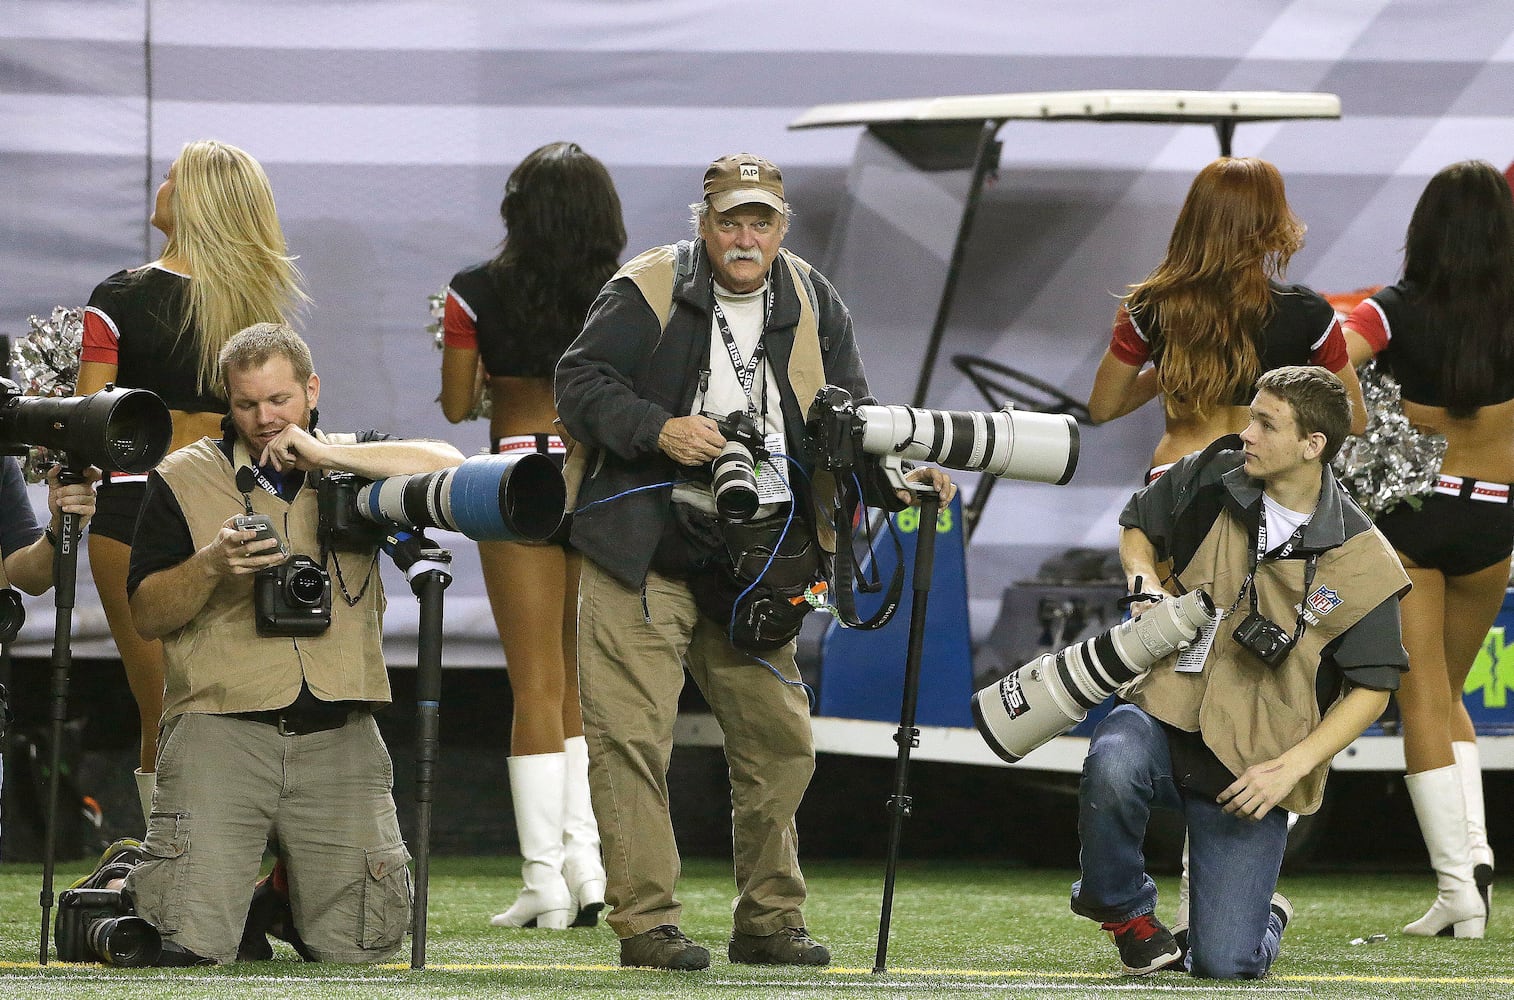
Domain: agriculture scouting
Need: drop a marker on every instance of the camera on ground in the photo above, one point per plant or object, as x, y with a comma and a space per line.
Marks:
101, 925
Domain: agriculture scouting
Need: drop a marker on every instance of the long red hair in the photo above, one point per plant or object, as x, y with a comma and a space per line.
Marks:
1210, 295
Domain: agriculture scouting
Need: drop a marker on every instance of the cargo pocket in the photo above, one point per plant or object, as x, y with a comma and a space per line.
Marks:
386, 898
157, 884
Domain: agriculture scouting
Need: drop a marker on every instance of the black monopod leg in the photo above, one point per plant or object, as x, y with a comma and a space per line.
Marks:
65, 575
908, 736
428, 568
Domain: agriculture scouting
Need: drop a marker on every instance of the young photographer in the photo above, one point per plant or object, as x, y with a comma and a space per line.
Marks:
728, 323
1242, 725
268, 731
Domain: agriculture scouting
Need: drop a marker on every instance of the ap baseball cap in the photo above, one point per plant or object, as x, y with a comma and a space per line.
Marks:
741, 179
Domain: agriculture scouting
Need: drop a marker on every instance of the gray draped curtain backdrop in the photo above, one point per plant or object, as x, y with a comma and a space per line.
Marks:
388, 129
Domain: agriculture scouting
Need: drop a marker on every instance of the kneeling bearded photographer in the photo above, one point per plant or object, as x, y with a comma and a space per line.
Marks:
274, 665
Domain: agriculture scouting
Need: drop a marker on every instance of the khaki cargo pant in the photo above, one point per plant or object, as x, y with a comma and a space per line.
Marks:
632, 649
225, 787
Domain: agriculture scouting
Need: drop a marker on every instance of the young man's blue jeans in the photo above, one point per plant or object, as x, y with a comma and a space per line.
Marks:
1232, 863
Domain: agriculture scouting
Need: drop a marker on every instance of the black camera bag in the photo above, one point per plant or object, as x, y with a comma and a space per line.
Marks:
754, 589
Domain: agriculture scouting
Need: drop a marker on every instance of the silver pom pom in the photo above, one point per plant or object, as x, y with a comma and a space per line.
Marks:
46, 363
1392, 462
483, 402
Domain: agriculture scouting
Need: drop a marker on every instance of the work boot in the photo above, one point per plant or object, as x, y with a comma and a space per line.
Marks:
789, 946
663, 947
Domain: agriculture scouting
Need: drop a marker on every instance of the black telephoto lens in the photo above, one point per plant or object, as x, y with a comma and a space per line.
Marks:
129, 942
12, 614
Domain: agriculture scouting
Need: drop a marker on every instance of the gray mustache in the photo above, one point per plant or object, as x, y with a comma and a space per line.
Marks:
734, 254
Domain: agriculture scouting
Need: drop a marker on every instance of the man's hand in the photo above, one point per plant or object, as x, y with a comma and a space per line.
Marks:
234, 553
76, 498
691, 440
1261, 787
936, 478
294, 448
1147, 585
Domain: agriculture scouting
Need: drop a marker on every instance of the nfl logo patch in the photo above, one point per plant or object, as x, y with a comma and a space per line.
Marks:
1324, 600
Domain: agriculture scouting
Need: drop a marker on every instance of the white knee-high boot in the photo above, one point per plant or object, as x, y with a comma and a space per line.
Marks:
1442, 815
582, 866
536, 789
145, 782
1469, 769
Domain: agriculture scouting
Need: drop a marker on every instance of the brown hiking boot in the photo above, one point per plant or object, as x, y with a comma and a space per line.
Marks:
789, 946
663, 947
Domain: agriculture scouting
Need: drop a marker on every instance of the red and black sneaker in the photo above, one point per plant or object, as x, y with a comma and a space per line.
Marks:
1145, 945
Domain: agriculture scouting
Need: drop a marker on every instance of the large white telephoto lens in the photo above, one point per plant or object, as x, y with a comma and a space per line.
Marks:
1052, 693
1013, 444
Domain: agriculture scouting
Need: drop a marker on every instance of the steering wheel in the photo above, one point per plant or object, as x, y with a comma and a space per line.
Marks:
1000, 383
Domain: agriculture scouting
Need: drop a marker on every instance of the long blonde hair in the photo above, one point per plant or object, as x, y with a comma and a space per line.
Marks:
1210, 296
226, 232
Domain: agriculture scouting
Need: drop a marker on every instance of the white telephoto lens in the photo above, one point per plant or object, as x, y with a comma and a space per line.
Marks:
1054, 692
1011, 444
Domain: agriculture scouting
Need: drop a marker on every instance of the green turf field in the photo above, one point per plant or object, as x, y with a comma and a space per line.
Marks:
960, 930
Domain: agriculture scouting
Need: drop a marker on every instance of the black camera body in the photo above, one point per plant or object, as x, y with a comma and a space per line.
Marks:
101, 925
1263, 639
833, 430
12, 614
738, 427
341, 528
292, 599
733, 473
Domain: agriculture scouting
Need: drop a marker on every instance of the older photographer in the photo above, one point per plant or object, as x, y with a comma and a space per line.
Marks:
1242, 725
727, 329
268, 736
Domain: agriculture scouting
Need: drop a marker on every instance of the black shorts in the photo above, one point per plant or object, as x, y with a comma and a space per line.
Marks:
553, 447
116, 509
1456, 535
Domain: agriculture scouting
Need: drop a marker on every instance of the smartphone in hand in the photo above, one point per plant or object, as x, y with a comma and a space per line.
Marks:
263, 525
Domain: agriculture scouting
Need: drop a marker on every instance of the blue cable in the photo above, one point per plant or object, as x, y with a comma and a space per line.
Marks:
626, 493
809, 692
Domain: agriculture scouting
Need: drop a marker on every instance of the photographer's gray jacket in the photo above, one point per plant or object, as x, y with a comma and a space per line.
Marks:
626, 375
1202, 515
217, 663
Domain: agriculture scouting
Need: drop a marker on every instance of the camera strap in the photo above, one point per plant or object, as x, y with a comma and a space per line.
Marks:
846, 602
341, 582
746, 371
1258, 555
